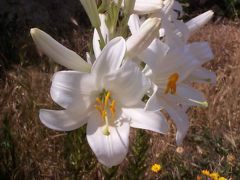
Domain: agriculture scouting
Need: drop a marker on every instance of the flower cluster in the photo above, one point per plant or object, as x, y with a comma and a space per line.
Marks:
130, 77
213, 175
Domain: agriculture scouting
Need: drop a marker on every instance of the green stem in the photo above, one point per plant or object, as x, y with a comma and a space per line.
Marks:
102, 41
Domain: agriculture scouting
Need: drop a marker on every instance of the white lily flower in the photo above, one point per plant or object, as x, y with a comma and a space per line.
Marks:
108, 99
169, 69
170, 89
58, 52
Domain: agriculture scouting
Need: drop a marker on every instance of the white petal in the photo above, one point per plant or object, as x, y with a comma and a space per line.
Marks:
149, 6
134, 23
176, 61
202, 75
190, 96
63, 120
196, 23
96, 38
58, 52
73, 88
153, 103
155, 51
201, 50
128, 84
110, 59
178, 116
182, 31
140, 118
110, 150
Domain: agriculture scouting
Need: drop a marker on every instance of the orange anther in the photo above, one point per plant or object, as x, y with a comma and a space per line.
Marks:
171, 85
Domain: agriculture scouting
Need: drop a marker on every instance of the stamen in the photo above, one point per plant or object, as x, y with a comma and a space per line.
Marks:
112, 108
107, 98
105, 106
171, 85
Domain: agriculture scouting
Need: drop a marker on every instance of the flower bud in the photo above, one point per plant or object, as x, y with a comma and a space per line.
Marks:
144, 37
58, 52
129, 6
149, 6
199, 21
90, 7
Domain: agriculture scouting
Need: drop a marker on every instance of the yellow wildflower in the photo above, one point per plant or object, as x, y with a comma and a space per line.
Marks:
222, 178
156, 168
214, 175
205, 172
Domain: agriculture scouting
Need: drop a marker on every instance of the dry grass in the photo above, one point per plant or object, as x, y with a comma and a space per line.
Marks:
31, 151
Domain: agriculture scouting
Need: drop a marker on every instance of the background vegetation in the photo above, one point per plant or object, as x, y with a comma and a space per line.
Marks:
29, 150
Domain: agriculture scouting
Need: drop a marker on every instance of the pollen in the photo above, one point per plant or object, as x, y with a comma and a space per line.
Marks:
156, 168
106, 106
171, 85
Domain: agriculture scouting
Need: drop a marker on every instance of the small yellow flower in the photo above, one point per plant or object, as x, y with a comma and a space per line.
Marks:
214, 175
222, 178
205, 172
156, 168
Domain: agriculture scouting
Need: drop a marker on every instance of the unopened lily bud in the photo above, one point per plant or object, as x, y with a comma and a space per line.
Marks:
90, 7
58, 52
149, 6
144, 37
199, 21
129, 6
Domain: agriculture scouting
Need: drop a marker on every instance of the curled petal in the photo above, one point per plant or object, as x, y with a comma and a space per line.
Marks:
63, 120
140, 118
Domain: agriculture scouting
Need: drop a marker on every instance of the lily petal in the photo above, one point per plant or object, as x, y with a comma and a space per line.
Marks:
73, 88
140, 118
202, 51
153, 103
112, 149
128, 83
154, 52
58, 52
191, 96
178, 116
96, 38
196, 23
134, 23
110, 59
202, 75
63, 120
